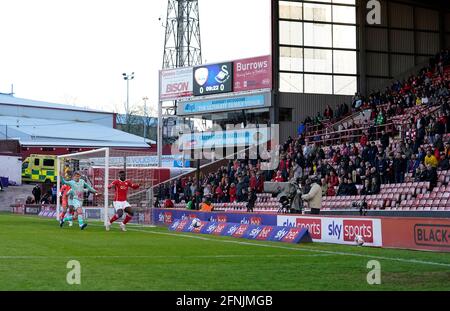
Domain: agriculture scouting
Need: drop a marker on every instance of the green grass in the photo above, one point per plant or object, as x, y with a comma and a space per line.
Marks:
34, 253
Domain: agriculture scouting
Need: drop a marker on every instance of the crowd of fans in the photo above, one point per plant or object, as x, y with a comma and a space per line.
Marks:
429, 88
360, 164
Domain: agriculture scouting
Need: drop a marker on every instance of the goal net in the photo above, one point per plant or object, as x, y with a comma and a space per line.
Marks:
100, 167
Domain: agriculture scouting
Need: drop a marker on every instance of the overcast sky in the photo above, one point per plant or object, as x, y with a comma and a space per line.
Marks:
75, 51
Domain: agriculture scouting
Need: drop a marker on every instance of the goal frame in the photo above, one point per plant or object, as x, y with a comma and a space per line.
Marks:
106, 179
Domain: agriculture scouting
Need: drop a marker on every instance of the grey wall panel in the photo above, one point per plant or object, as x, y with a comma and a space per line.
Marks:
447, 22
304, 105
377, 39
377, 64
427, 42
400, 15
401, 63
402, 41
426, 19
422, 60
374, 84
384, 13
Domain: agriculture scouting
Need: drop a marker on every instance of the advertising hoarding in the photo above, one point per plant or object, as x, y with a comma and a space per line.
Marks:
432, 234
224, 104
167, 216
243, 231
213, 79
225, 138
252, 74
337, 230
176, 83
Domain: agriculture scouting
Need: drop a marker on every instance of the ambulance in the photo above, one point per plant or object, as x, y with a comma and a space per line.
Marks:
39, 168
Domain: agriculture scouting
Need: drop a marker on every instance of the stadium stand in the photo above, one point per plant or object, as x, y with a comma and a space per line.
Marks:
391, 149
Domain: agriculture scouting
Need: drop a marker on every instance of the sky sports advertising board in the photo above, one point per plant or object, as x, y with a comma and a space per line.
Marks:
337, 230
213, 79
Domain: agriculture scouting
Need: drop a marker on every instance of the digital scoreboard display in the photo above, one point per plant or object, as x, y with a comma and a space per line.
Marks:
213, 79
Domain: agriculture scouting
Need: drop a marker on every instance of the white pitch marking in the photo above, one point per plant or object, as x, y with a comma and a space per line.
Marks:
161, 257
305, 249
414, 261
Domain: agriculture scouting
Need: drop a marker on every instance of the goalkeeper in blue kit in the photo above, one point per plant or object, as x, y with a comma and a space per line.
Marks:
75, 202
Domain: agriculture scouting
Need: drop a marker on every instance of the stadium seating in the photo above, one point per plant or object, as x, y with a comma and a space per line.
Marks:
411, 195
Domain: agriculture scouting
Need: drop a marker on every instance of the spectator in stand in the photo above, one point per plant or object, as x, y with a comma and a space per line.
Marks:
278, 177
29, 200
251, 199
413, 164
367, 189
444, 164
207, 192
421, 173
190, 203
430, 159
369, 164
54, 194
168, 203
47, 198
351, 187
318, 119
331, 192
284, 167
375, 180
324, 186
219, 194
363, 140
253, 181
431, 176
399, 166
343, 187
301, 129
380, 120
259, 182
334, 180
384, 139
328, 113
372, 154
240, 192
381, 165
37, 193
232, 193
206, 206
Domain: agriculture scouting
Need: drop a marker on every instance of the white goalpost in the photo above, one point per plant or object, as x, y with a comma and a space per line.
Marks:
100, 167
83, 162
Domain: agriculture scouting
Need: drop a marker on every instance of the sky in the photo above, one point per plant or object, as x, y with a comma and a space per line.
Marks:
75, 51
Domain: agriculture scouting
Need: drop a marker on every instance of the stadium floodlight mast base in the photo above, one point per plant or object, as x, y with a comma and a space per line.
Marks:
106, 179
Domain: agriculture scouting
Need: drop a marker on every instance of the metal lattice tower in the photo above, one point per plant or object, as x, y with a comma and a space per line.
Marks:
182, 48
182, 45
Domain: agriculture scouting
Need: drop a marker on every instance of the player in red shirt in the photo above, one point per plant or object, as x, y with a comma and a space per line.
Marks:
120, 200
64, 202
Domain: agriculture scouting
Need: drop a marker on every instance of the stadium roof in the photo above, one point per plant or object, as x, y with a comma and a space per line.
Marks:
11, 100
42, 132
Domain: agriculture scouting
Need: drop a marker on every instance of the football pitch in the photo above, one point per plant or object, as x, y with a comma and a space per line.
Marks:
34, 253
